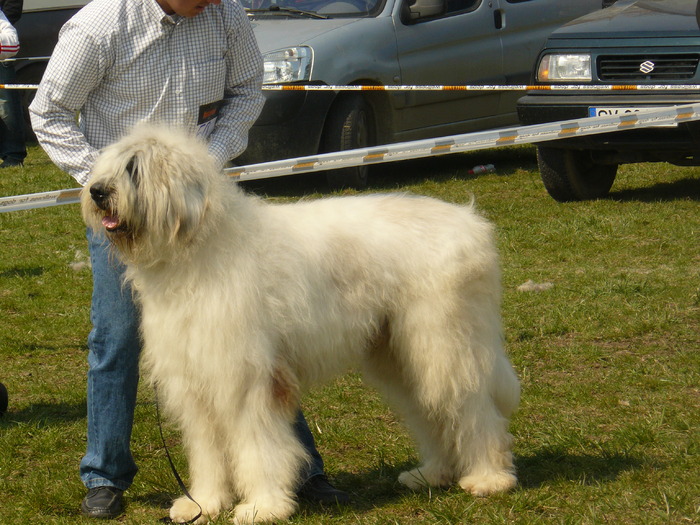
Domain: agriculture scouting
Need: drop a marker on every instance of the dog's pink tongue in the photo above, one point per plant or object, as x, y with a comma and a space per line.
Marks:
110, 222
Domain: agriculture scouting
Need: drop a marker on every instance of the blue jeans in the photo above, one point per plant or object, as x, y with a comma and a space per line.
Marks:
12, 140
113, 377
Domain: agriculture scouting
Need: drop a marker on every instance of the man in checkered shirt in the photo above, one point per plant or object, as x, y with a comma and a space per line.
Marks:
118, 62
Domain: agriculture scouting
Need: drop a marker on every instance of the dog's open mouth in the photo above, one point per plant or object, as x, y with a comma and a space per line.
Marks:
111, 223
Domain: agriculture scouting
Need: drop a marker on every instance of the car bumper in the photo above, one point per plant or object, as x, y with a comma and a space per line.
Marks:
290, 125
538, 109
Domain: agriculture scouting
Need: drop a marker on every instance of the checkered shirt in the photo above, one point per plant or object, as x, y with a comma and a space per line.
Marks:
119, 62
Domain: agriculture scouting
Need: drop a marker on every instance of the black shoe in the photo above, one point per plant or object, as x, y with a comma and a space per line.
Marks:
9, 163
319, 490
103, 502
3, 399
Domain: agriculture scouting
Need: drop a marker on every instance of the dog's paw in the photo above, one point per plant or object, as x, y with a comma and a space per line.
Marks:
184, 510
487, 484
249, 513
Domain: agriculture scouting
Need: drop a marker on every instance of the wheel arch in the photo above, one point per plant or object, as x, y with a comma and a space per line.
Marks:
376, 101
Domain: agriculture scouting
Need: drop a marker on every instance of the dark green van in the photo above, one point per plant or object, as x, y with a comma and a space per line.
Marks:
633, 42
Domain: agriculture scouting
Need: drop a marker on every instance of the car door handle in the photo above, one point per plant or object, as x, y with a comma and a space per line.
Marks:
499, 18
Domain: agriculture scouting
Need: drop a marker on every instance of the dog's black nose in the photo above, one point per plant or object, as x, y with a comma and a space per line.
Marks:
100, 195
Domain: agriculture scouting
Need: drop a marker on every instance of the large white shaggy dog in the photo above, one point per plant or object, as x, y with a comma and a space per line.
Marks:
246, 304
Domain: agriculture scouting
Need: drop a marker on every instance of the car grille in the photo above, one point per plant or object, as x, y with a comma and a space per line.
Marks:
655, 68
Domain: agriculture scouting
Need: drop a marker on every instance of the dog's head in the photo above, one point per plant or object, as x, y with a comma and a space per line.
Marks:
150, 191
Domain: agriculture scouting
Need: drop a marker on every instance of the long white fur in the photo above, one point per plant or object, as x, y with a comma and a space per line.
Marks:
246, 304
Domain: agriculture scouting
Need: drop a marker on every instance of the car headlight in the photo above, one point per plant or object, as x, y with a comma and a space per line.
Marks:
565, 68
288, 65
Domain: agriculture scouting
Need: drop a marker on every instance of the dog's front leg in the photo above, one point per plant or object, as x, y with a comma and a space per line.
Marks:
267, 455
207, 490
209, 477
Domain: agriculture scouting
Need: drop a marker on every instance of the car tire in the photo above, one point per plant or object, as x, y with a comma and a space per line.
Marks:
348, 126
3, 399
571, 175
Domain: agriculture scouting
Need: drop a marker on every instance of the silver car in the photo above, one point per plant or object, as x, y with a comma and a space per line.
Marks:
382, 43
391, 43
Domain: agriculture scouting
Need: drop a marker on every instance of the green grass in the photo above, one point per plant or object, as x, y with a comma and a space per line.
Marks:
608, 428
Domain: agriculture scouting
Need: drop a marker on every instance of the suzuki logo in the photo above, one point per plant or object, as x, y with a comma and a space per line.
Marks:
646, 66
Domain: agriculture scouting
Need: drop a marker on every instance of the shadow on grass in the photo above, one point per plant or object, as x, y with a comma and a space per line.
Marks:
35, 271
379, 487
367, 491
44, 414
372, 488
160, 499
684, 189
550, 465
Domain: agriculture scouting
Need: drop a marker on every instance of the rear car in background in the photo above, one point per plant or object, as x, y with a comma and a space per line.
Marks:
38, 32
639, 42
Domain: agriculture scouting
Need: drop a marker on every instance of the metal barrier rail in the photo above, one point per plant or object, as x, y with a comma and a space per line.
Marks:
24, 59
410, 150
467, 142
494, 87
19, 86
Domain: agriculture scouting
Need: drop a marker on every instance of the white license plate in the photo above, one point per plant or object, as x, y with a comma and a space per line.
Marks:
621, 110
616, 110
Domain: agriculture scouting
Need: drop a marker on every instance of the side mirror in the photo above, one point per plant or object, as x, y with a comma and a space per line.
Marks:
419, 9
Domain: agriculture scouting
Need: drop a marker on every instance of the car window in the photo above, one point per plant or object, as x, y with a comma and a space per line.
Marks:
419, 11
461, 6
327, 8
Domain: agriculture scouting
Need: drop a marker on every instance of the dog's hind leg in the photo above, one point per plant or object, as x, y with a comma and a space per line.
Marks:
490, 394
388, 375
466, 442
486, 459
449, 351
437, 467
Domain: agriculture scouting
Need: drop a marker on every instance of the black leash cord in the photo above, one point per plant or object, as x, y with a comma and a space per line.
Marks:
183, 488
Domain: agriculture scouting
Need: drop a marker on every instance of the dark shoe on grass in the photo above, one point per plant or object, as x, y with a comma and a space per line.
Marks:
103, 503
319, 490
3, 399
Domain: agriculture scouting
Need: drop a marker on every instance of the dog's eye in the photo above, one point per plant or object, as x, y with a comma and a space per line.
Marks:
133, 171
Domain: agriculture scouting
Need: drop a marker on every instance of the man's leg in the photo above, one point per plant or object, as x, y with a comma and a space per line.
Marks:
112, 383
12, 140
315, 486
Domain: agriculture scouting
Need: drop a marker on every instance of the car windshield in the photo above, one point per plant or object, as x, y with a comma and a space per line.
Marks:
312, 8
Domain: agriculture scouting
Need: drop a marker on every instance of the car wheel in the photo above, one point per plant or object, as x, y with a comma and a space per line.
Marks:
3, 399
571, 175
349, 126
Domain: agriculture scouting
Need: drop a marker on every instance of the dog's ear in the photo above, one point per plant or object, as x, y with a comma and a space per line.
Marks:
187, 212
132, 169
